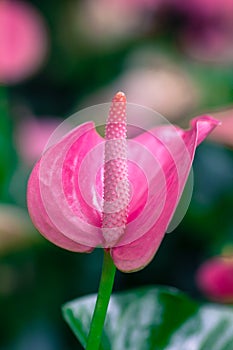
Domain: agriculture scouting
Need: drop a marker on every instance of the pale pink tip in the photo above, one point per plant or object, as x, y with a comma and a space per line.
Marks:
119, 97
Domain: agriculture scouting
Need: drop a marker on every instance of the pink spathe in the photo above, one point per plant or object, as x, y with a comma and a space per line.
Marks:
73, 203
23, 41
215, 279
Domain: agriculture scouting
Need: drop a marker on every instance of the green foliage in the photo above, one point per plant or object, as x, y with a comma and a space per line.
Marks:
7, 154
158, 318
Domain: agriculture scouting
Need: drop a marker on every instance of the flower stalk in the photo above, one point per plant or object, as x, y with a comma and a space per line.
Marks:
101, 306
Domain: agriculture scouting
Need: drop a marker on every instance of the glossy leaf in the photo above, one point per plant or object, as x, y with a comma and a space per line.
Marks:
155, 318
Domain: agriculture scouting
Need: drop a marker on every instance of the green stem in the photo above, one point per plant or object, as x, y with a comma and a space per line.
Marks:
101, 306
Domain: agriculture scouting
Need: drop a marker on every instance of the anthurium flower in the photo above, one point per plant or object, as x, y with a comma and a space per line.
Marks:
215, 278
117, 193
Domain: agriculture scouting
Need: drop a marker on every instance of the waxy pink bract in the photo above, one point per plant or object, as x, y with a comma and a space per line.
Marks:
65, 190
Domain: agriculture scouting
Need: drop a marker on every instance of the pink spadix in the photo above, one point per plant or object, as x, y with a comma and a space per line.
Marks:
116, 184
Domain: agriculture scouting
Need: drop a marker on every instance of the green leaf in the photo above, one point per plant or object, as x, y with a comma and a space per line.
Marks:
155, 318
7, 153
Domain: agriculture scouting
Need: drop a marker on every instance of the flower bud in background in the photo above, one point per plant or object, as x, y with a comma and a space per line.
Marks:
23, 41
215, 279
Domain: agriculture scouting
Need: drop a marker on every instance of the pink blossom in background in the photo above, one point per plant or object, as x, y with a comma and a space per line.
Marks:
151, 79
224, 134
208, 32
126, 211
105, 22
23, 41
162, 88
31, 137
135, 4
215, 279
208, 8
211, 44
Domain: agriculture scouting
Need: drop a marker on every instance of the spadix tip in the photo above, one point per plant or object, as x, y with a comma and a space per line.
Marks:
119, 97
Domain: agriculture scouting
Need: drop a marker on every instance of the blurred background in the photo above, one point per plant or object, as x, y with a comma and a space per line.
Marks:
57, 57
